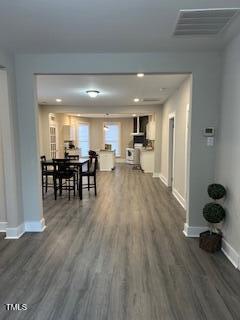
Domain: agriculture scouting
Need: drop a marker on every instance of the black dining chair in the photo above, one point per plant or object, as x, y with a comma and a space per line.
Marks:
91, 172
75, 168
73, 156
64, 175
47, 172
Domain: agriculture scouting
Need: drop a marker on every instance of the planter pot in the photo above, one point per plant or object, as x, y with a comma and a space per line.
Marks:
210, 242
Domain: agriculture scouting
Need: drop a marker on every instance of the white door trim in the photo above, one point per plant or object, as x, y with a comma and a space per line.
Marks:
169, 182
187, 148
7, 132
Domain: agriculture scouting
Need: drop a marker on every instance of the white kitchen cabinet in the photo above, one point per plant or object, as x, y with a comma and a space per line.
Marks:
147, 160
106, 160
68, 133
151, 130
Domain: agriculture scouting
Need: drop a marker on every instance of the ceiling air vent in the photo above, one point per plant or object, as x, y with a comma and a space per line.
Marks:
150, 100
203, 21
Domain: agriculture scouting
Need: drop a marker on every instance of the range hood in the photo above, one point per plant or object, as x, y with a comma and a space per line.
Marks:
138, 133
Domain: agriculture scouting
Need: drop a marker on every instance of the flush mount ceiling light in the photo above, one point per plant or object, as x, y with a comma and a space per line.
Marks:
92, 93
140, 75
58, 100
136, 99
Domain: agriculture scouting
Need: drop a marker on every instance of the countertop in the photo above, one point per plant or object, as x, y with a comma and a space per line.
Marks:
147, 150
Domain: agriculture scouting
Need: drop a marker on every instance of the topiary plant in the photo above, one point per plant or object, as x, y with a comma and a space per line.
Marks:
213, 212
216, 191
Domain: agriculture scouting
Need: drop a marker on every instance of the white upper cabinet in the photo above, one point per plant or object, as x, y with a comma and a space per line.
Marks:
151, 130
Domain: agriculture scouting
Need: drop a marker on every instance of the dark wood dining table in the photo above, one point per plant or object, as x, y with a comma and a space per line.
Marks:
77, 163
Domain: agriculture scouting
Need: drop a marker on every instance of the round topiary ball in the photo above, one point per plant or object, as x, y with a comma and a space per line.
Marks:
213, 212
216, 191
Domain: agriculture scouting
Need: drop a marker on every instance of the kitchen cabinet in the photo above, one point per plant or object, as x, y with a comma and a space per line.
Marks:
151, 130
147, 160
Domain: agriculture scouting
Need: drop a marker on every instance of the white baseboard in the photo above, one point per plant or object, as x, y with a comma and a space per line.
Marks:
230, 253
15, 233
179, 198
29, 226
193, 232
163, 179
3, 226
156, 175
35, 226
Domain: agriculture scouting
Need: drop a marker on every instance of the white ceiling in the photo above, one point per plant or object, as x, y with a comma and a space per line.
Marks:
32, 26
115, 90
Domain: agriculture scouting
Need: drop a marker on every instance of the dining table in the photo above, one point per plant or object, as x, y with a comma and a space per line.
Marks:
78, 163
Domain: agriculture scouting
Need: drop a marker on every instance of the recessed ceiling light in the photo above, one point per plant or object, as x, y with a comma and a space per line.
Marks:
140, 75
92, 93
59, 100
136, 100
134, 115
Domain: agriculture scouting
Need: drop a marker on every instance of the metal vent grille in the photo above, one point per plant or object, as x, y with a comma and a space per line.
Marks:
150, 100
204, 21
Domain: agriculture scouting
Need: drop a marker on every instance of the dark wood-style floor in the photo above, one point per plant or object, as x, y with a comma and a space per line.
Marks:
120, 256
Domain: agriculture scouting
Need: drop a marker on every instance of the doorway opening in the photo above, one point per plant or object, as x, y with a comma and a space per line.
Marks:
71, 125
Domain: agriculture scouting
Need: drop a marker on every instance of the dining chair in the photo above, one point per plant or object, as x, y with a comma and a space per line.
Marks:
47, 172
73, 156
75, 168
43, 158
91, 172
63, 171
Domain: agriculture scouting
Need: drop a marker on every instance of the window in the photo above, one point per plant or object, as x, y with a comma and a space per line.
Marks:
83, 138
53, 146
112, 136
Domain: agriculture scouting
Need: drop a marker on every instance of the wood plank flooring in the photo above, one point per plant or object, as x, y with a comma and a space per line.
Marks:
120, 256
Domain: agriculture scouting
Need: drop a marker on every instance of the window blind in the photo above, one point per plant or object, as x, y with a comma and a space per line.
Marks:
83, 139
112, 136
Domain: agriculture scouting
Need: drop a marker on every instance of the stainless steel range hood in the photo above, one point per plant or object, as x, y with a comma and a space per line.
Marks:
138, 133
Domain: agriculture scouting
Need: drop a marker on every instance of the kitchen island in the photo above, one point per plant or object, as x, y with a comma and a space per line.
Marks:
106, 160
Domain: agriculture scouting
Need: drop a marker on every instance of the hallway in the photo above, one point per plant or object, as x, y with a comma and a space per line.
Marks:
120, 256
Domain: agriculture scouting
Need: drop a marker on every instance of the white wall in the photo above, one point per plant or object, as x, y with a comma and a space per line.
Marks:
205, 67
228, 142
3, 214
178, 104
10, 174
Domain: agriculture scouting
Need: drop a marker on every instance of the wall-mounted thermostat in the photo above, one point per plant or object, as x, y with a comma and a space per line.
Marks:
209, 132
